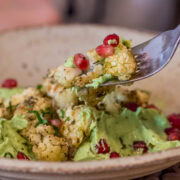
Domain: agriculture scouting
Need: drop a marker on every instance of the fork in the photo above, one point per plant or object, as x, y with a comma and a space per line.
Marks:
152, 56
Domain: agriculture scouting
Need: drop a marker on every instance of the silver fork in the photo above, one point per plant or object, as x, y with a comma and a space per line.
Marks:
152, 56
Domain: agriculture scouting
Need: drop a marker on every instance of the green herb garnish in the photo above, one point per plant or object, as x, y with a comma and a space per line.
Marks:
62, 113
47, 111
10, 107
39, 87
40, 118
68, 118
8, 155
56, 131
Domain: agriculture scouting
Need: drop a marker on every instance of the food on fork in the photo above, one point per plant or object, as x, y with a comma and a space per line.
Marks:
102, 64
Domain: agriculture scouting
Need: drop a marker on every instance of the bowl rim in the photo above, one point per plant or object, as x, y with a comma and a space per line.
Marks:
70, 167
47, 26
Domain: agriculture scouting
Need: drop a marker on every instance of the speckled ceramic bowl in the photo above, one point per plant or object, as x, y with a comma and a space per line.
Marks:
27, 54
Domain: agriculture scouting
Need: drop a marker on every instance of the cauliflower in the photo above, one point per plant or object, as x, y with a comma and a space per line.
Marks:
93, 56
45, 144
122, 64
62, 97
114, 101
65, 76
30, 100
84, 79
77, 123
91, 96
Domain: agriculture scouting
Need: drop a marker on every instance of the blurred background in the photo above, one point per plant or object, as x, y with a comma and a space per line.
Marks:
152, 15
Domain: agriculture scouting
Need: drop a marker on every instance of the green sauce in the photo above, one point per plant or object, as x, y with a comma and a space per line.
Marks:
11, 141
100, 80
8, 93
122, 129
70, 62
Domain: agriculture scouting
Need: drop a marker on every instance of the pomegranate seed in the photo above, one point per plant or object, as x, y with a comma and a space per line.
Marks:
114, 155
174, 135
112, 39
22, 156
103, 147
174, 119
9, 83
140, 145
152, 106
105, 50
131, 106
170, 130
55, 122
81, 61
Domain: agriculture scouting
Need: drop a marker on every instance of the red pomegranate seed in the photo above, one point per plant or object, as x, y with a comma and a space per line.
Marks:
140, 145
102, 147
170, 130
152, 106
105, 50
22, 156
174, 135
81, 61
131, 106
174, 119
9, 83
55, 122
114, 155
111, 39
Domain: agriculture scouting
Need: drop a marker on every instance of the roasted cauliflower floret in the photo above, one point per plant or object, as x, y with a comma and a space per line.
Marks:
45, 145
93, 56
32, 105
30, 99
84, 79
122, 64
91, 96
114, 101
51, 148
140, 97
77, 123
62, 97
65, 76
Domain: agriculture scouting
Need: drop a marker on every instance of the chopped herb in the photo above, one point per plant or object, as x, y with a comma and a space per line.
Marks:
10, 107
40, 118
122, 143
62, 113
8, 155
56, 131
47, 111
68, 118
39, 87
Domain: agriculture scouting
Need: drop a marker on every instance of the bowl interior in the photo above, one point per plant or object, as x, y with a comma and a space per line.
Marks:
27, 55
